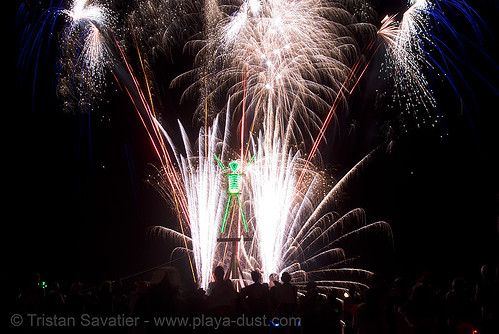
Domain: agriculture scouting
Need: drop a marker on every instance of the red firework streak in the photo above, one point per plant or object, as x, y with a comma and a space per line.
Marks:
159, 145
353, 72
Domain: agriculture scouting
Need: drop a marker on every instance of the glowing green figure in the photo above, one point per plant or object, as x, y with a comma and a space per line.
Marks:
234, 190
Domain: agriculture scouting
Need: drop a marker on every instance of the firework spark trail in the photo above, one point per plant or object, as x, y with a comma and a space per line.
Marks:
299, 234
276, 65
31, 38
89, 47
282, 242
85, 19
156, 135
287, 58
275, 202
176, 185
332, 112
187, 183
407, 55
292, 59
407, 46
84, 50
132, 86
325, 200
315, 249
154, 129
203, 185
405, 50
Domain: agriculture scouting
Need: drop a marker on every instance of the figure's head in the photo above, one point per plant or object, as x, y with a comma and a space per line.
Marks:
234, 165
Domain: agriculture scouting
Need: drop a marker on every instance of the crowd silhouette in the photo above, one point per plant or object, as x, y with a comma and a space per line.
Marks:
387, 306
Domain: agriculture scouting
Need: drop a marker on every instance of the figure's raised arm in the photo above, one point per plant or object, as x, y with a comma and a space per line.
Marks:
220, 163
249, 162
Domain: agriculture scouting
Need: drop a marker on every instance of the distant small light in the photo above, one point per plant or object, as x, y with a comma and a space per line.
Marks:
346, 294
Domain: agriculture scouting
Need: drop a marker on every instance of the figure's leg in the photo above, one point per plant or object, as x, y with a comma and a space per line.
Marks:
226, 214
242, 214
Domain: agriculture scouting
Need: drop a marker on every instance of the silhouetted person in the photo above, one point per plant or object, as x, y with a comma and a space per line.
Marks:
54, 300
399, 292
140, 287
422, 310
256, 296
273, 284
371, 316
222, 298
487, 297
162, 297
75, 301
120, 298
312, 309
104, 299
286, 299
397, 296
459, 306
194, 300
33, 295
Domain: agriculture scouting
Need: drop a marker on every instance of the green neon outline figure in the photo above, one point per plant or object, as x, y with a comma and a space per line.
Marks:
233, 189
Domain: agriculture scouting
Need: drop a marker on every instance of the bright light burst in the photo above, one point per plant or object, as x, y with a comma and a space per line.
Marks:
85, 52
83, 10
276, 202
406, 54
273, 69
278, 62
203, 188
413, 50
293, 229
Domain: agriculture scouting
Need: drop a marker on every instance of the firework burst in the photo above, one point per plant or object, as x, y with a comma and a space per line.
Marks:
294, 231
85, 53
277, 62
413, 50
272, 69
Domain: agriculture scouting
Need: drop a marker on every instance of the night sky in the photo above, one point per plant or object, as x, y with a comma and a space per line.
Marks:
78, 206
